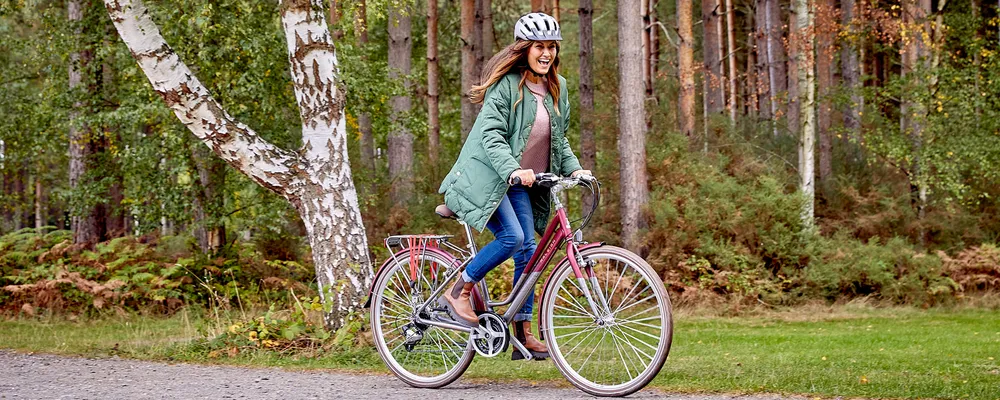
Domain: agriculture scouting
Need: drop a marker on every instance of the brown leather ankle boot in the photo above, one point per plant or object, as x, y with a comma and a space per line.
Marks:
458, 303
522, 331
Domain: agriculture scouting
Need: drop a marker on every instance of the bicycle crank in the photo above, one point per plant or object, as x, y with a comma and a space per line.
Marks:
491, 337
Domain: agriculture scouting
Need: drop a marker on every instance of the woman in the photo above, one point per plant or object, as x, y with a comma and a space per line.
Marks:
519, 132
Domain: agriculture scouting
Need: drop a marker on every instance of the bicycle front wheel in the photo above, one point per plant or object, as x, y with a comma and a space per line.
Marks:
421, 355
608, 334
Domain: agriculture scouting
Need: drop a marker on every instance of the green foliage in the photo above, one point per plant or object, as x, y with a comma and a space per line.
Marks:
891, 270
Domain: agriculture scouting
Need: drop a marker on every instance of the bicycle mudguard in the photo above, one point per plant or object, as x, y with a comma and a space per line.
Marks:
565, 260
403, 255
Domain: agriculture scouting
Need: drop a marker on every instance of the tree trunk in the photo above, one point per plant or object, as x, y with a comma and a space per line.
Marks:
40, 202
647, 48
400, 139
538, 5
486, 9
913, 113
765, 106
631, 122
209, 201
777, 74
588, 153
715, 98
731, 56
433, 112
470, 73
685, 64
805, 62
793, 111
316, 179
850, 68
87, 224
364, 119
826, 27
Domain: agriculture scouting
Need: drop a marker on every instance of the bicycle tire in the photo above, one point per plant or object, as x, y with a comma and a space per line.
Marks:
386, 327
566, 312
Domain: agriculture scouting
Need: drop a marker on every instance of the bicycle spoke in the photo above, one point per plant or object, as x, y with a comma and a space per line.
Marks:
578, 306
618, 348
636, 349
627, 349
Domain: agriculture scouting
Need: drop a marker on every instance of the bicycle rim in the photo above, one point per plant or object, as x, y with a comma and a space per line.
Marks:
615, 350
441, 355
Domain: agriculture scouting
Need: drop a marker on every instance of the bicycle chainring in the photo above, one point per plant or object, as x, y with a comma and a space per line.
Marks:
492, 336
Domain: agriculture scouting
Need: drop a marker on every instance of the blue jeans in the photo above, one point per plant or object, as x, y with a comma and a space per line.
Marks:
512, 225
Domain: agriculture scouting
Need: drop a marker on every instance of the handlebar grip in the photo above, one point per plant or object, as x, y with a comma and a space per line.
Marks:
516, 181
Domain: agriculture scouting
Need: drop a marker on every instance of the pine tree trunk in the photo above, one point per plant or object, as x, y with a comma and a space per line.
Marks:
731, 56
486, 9
764, 104
400, 139
794, 100
316, 180
647, 49
777, 73
470, 49
588, 152
631, 122
364, 119
538, 6
685, 63
805, 62
826, 27
87, 223
433, 111
715, 98
850, 68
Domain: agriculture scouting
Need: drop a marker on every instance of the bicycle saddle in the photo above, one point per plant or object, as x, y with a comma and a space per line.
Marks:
445, 212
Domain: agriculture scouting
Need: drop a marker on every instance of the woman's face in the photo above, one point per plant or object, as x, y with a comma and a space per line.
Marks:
541, 55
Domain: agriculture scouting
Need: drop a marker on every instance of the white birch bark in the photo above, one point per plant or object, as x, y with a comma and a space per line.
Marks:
805, 60
316, 179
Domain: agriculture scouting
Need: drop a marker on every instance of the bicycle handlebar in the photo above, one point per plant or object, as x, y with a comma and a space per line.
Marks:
551, 178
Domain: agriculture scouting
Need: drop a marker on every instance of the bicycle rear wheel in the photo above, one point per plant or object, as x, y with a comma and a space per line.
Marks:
421, 355
615, 347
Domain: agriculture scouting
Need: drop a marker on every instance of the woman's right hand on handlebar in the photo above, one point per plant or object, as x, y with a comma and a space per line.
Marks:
525, 177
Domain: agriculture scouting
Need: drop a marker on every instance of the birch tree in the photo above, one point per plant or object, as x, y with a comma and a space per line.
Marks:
631, 121
316, 180
805, 62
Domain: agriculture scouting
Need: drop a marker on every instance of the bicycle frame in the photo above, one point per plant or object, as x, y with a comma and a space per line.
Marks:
556, 233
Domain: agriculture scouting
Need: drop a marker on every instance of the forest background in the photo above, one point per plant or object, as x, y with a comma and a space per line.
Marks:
785, 152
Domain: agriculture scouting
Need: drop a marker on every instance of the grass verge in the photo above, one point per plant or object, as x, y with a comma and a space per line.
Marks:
842, 351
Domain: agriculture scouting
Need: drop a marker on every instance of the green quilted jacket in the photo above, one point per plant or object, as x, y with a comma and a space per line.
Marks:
492, 152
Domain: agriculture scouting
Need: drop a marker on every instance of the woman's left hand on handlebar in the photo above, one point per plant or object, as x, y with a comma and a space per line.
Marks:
577, 173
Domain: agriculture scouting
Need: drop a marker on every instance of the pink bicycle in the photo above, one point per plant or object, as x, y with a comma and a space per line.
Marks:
604, 313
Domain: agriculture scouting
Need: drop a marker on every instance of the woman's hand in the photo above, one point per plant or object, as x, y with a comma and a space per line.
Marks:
577, 173
527, 177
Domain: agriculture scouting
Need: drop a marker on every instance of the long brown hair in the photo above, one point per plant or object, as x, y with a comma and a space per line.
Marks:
515, 58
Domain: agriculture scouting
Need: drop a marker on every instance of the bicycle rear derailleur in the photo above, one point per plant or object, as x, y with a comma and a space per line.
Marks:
492, 336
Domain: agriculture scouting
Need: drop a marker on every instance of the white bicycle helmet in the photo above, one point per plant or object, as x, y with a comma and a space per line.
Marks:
537, 26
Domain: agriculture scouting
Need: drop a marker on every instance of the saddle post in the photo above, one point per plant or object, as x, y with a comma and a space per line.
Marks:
483, 289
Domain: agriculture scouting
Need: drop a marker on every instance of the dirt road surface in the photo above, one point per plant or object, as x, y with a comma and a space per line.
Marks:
35, 376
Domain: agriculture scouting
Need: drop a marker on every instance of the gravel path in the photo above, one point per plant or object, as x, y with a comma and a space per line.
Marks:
33, 376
